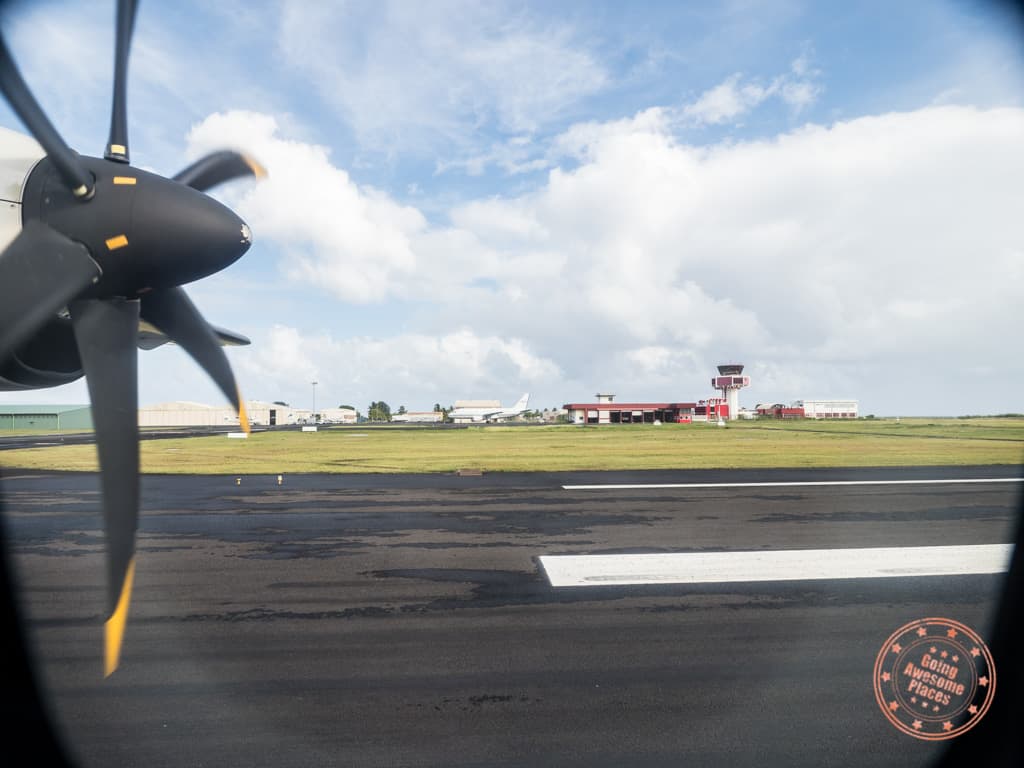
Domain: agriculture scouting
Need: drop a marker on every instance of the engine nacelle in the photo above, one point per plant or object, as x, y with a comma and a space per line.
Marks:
49, 359
19, 154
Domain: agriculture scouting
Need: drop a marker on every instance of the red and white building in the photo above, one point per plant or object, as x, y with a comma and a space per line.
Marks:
729, 382
779, 411
606, 411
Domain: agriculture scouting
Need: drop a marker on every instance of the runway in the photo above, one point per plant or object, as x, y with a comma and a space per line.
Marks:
372, 620
45, 440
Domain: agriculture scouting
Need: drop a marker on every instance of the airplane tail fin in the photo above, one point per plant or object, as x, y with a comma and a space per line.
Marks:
521, 404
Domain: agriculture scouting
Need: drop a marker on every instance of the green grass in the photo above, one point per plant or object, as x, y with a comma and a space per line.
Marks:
875, 442
970, 428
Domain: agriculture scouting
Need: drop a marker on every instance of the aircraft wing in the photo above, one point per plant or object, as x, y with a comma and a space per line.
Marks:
471, 416
151, 337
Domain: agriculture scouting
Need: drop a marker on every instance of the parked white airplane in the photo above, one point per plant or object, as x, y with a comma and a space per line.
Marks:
496, 413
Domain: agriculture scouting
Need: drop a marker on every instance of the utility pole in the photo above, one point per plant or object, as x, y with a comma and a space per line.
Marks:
314, 402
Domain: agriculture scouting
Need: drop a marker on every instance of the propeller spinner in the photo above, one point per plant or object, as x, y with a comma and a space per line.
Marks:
114, 244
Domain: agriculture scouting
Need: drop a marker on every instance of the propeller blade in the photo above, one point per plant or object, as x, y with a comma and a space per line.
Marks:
230, 338
151, 337
24, 104
40, 272
106, 331
218, 167
117, 146
174, 314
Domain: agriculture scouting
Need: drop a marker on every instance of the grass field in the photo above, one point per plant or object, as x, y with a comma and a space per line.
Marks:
868, 442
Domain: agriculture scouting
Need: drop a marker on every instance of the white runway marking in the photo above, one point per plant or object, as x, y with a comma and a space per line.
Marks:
775, 565
787, 484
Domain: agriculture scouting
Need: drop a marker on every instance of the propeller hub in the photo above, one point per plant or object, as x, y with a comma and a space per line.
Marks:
146, 232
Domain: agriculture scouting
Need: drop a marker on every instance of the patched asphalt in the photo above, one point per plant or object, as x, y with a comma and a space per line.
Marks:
403, 620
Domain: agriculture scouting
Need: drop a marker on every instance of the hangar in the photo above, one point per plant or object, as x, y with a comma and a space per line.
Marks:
185, 414
188, 414
176, 413
48, 417
181, 413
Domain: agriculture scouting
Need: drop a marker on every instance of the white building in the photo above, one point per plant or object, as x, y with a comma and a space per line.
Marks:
828, 409
181, 413
188, 414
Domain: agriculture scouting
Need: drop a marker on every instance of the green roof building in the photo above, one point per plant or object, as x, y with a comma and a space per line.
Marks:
48, 418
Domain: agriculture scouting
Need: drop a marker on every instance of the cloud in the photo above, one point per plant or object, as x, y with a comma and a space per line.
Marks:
180, 69
459, 364
420, 77
842, 254
735, 97
726, 101
354, 241
844, 259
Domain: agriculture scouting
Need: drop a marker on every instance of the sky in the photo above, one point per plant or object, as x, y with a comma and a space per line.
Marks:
477, 200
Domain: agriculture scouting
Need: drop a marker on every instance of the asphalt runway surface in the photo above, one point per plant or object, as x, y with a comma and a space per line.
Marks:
44, 440
373, 620
14, 442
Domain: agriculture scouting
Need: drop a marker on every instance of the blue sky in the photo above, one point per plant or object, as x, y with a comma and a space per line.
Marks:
478, 200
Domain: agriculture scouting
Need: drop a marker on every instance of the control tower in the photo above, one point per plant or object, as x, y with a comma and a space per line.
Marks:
730, 381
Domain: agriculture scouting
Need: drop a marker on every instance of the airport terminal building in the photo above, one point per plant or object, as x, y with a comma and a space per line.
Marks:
729, 382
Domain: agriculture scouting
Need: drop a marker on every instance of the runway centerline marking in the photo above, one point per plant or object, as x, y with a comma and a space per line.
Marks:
790, 484
774, 565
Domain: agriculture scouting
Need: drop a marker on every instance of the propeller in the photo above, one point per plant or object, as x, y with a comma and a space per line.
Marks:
117, 145
27, 108
114, 244
217, 168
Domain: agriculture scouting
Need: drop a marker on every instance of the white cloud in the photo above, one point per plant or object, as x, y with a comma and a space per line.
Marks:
423, 76
836, 256
172, 79
582, 139
836, 260
726, 101
429, 368
514, 156
735, 97
354, 241
799, 95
